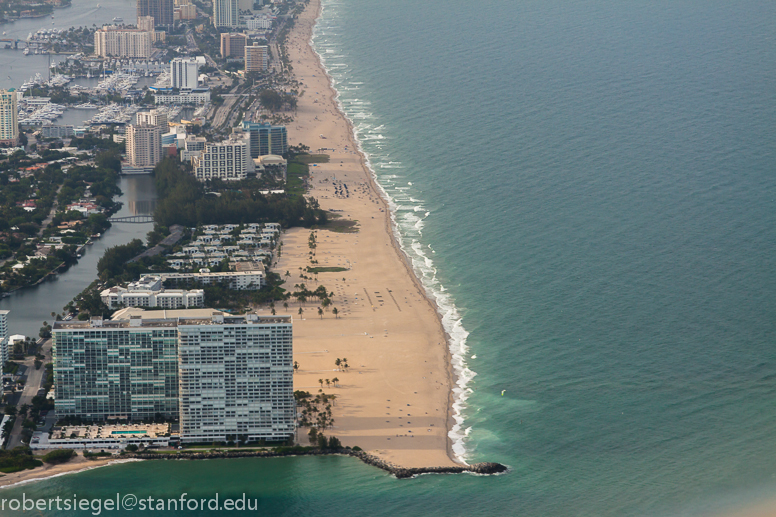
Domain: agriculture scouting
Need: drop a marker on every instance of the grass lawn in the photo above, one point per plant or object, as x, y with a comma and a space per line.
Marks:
312, 158
326, 269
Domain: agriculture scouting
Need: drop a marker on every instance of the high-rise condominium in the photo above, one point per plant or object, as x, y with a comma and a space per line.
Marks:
225, 13
9, 118
161, 10
118, 42
5, 352
232, 44
225, 377
256, 58
144, 145
266, 139
185, 71
154, 117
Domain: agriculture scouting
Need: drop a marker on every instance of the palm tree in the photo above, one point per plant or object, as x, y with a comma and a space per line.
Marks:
328, 383
335, 380
320, 312
338, 362
321, 381
288, 274
335, 311
345, 363
296, 366
300, 312
285, 305
272, 311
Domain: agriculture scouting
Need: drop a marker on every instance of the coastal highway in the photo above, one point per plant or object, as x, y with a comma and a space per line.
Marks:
34, 381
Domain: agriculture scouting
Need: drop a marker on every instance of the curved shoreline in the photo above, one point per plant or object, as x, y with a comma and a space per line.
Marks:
394, 233
52, 471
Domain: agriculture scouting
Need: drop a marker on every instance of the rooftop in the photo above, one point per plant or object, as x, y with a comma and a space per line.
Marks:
151, 319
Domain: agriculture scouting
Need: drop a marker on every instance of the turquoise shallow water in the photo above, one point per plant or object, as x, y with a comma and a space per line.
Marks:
588, 189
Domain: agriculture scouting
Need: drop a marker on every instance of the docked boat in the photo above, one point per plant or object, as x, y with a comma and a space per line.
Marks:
118, 19
26, 51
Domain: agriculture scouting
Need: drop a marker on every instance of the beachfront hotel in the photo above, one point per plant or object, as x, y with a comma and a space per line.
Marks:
227, 160
9, 118
111, 41
266, 139
225, 377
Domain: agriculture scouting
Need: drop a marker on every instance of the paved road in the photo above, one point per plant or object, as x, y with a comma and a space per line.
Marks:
34, 382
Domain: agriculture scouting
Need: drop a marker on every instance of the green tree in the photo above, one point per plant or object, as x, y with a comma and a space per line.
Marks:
59, 456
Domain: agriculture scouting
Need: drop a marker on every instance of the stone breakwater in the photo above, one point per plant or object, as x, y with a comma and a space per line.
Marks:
484, 468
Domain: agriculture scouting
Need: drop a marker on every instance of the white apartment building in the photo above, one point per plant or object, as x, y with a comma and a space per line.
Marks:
192, 146
198, 96
163, 298
256, 58
185, 71
144, 145
235, 378
9, 118
225, 13
238, 280
153, 118
257, 23
5, 347
119, 42
228, 160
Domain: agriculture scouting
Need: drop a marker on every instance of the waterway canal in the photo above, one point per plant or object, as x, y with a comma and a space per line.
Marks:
33, 305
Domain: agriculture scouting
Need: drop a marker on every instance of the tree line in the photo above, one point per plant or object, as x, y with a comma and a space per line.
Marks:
183, 200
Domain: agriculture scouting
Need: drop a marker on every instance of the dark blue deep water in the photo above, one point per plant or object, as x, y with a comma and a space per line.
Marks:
588, 187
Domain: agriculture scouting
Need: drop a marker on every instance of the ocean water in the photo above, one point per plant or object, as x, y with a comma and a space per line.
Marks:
587, 188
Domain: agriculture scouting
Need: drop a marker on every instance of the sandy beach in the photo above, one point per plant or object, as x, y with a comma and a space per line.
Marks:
77, 464
394, 400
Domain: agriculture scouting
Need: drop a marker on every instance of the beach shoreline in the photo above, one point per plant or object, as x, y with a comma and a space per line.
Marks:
393, 229
310, 70
47, 471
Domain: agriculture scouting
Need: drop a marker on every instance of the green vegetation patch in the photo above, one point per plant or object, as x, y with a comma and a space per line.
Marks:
296, 175
59, 456
312, 158
341, 226
326, 269
96, 454
17, 459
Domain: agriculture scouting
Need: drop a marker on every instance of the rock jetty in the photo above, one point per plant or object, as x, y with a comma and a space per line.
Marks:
484, 468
